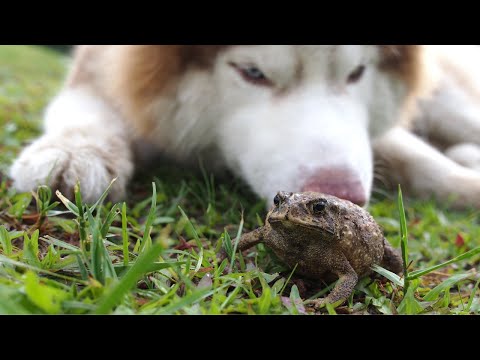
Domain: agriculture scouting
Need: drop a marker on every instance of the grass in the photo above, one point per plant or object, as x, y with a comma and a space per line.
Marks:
156, 253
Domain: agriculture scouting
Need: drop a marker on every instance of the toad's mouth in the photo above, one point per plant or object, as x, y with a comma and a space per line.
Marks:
288, 224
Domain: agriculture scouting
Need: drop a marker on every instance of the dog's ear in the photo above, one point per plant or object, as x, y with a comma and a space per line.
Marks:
407, 64
404, 61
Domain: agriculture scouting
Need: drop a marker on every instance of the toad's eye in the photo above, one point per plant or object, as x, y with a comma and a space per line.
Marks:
319, 206
252, 74
356, 74
277, 200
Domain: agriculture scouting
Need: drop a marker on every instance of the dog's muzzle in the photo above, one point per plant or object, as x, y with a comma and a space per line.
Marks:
339, 182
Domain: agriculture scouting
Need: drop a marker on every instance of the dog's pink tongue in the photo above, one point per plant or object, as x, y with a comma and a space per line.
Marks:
339, 183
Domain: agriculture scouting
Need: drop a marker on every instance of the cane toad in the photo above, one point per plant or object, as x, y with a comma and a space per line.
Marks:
327, 237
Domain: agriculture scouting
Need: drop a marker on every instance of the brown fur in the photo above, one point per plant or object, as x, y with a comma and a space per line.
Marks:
146, 72
406, 62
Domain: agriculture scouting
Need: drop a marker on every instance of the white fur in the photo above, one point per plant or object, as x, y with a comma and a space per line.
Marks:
257, 150
277, 138
426, 172
466, 154
452, 114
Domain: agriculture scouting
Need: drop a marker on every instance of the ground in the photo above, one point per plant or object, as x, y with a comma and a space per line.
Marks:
155, 254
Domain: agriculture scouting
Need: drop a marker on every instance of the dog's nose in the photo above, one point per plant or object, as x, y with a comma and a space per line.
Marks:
337, 182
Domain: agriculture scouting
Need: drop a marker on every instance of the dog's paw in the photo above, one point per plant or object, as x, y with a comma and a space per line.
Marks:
60, 166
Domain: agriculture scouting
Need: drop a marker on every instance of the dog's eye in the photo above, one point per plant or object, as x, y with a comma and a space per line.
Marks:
252, 74
319, 206
356, 74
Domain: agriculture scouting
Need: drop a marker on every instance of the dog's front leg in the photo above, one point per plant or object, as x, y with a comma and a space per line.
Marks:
423, 171
450, 116
452, 119
84, 140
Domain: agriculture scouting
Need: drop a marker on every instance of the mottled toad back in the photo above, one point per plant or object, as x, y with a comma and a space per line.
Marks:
327, 237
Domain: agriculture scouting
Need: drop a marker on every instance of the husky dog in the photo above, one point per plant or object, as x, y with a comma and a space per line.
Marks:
289, 117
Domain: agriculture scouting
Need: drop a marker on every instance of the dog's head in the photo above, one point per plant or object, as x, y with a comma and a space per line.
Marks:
291, 117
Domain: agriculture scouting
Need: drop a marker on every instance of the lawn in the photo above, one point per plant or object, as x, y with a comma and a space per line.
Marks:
156, 253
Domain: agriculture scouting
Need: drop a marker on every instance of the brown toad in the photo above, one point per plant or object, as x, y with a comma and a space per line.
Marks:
327, 237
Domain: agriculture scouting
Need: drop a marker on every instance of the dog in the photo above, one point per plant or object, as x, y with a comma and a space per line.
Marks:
281, 117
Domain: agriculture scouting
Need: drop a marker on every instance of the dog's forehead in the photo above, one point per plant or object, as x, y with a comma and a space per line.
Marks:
306, 52
335, 55
318, 51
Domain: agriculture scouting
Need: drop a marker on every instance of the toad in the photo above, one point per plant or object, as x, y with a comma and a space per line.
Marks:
326, 238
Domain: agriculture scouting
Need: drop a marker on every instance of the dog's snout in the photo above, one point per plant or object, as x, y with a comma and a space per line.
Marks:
337, 182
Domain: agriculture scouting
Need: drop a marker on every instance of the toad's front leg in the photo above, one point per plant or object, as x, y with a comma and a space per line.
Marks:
246, 241
347, 279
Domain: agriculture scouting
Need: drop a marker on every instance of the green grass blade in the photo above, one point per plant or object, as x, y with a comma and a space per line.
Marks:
68, 204
78, 200
289, 277
265, 300
6, 260
278, 286
30, 249
96, 253
416, 274
109, 220
61, 244
81, 267
472, 296
409, 305
6, 241
199, 262
330, 309
102, 198
397, 280
108, 265
16, 234
125, 240
237, 239
192, 228
21, 203
403, 232
140, 268
9, 304
34, 243
294, 296
232, 294
195, 297
157, 266
147, 239
433, 294
98, 236
227, 244
43, 197
48, 298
